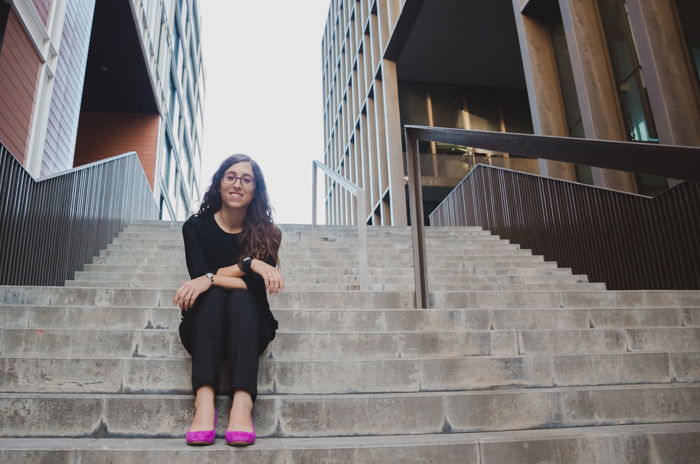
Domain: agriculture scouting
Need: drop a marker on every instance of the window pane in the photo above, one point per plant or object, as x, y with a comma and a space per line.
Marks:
628, 77
636, 111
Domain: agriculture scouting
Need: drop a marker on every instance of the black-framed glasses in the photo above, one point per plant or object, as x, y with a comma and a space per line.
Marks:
230, 179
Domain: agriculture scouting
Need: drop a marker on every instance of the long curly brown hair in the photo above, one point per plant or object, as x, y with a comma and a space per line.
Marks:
260, 238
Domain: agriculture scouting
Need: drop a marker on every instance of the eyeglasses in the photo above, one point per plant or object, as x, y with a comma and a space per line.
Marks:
230, 179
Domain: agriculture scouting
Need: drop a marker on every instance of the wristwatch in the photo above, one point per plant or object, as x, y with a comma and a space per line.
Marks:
211, 277
245, 265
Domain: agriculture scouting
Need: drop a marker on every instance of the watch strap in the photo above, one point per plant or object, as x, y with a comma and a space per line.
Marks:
245, 264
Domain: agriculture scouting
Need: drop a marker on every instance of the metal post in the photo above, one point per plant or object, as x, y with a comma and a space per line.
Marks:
313, 194
361, 212
415, 196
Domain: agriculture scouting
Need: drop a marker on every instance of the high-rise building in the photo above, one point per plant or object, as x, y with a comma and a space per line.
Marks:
606, 69
84, 80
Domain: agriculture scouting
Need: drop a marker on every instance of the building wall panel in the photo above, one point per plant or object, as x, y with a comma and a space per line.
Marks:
108, 134
19, 68
64, 111
43, 8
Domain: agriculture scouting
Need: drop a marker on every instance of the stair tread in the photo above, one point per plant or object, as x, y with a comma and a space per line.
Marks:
352, 442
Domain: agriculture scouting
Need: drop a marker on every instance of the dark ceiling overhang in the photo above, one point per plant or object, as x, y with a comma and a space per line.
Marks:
466, 42
116, 76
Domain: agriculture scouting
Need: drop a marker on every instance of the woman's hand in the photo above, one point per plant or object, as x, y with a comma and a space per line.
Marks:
272, 277
188, 292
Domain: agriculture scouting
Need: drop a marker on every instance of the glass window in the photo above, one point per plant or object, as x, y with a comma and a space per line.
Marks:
628, 72
183, 205
183, 11
171, 164
689, 12
161, 207
177, 47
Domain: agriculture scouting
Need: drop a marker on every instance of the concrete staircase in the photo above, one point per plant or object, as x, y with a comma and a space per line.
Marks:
517, 361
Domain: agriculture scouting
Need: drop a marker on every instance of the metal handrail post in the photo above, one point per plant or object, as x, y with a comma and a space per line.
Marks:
314, 179
415, 197
361, 212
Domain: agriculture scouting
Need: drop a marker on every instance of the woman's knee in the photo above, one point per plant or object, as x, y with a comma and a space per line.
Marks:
213, 294
240, 298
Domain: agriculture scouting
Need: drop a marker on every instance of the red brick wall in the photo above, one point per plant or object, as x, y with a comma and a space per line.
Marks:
19, 68
64, 109
102, 135
43, 7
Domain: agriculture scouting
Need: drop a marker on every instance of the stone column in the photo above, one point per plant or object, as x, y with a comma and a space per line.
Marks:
595, 84
392, 122
543, 87
667, 71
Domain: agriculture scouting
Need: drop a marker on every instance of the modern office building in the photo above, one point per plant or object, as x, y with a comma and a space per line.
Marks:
605, 69
85, 80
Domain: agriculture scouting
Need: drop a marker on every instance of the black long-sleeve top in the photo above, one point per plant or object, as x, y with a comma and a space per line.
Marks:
208, 248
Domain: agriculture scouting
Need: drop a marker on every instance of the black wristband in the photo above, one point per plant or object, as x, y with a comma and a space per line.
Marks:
244, 265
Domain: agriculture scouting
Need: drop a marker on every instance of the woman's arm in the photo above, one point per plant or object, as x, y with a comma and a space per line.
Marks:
197, 266
229, 282
230, 271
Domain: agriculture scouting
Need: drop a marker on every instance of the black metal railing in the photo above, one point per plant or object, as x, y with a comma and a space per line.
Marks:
51, 227
642, 242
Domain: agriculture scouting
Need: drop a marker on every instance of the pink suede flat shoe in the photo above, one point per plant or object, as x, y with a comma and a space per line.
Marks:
239, 438
202, 437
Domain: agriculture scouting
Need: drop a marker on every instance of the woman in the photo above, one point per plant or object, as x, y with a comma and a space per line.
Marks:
231, 248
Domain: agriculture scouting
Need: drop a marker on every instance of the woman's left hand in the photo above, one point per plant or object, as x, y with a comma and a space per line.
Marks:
272, 277
187, 294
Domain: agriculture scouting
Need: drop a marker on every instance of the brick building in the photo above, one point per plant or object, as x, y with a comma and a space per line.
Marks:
84, 80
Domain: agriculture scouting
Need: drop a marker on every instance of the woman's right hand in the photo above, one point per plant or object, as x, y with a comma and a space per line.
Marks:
272, 277
187, 294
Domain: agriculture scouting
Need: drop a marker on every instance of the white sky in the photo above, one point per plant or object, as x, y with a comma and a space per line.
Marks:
262, 62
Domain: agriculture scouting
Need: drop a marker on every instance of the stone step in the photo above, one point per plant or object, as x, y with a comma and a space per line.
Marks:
148, 375
676, 443
386, 246
402, 260
320, 236
84, 296
325, 346
483, 274
308, 228
501, 263
65, 296
373, 320
342, 276
100, 415
571, 299
314, 287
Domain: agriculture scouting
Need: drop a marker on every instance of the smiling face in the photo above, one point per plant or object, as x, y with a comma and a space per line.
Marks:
234, 192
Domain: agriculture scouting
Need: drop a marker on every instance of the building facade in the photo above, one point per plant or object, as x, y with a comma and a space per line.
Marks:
85, 80
605, 69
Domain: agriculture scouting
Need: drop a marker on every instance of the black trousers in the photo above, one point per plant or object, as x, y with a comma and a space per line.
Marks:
225, 325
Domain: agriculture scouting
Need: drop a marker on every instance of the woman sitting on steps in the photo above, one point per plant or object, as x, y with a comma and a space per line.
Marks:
231, 247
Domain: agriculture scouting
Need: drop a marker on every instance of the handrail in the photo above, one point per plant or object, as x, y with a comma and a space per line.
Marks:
670, 161
361, 215
68, 216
